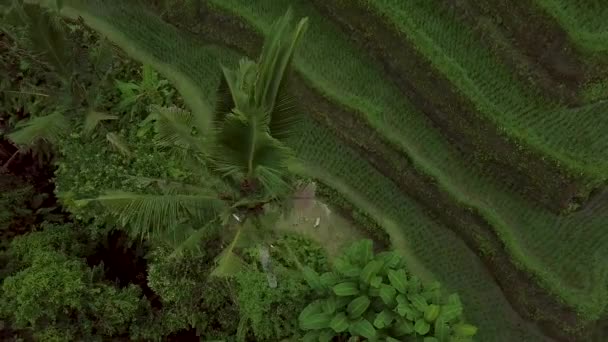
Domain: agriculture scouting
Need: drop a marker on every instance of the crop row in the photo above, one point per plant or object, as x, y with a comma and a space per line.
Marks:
585, 21
532, 44
455, 52
346, 77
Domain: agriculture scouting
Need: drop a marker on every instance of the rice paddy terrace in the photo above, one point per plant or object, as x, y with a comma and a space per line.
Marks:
474, 133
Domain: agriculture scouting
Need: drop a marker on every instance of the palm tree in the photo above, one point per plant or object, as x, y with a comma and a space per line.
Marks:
238, 152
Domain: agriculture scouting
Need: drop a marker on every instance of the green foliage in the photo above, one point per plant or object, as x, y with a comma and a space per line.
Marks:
271, 312
52, 290
189, 296
374, 297
137, 96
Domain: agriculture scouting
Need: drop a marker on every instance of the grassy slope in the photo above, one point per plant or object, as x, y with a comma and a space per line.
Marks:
554, 251
572, 137
585, 21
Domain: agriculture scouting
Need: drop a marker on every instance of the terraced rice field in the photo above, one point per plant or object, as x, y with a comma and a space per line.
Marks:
512, 214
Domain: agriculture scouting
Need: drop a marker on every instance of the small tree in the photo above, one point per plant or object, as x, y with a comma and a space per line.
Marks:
237, 150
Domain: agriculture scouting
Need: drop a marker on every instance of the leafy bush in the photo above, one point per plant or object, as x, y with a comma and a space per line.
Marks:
52, 293
272, 312
190, 298
374, 297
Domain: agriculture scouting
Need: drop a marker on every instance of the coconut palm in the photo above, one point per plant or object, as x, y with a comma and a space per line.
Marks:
238, 151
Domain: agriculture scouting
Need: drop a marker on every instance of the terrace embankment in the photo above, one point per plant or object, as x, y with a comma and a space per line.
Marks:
349, 126
531, 42
481, 141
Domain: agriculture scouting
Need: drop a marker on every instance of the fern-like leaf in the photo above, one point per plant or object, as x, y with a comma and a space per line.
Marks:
157, 214
48, 128
119, 144
46, 36
93, 118
228, 263
175, 128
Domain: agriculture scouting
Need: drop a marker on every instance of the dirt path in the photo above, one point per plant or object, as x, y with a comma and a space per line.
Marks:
315, 220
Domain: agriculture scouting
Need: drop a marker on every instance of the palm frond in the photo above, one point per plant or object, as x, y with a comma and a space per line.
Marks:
46, 36
175, 128
187, 239
225, 104
47, 128
93, 118
275, 59
119, 144
228, 263
286, 117
157, 213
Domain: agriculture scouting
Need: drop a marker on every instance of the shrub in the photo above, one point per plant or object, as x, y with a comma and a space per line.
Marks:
51, 292
374, 297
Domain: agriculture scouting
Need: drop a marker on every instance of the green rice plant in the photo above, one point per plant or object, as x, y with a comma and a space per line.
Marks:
585, 22
554, 256
543, 126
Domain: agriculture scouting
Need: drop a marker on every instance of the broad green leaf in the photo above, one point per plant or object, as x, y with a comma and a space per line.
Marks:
329, 279
465, 330
422, 327
375, 282
430, 339
312, 278
441, 330
401, 299
345, 268
311, 336
358, 306
330, 305
398, 280
390, 259
451, 311
311, 309
383, 319
346, 289
431, 313
418, 302
407, 311
373, 292
370, 270
402, 327
342, 302
339, 323
364, 328
326, 335
454, 299
360, 253
315, 321
391, 339
414, 285
388, 293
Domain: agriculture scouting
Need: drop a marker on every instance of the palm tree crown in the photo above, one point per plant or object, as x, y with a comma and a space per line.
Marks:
239, 154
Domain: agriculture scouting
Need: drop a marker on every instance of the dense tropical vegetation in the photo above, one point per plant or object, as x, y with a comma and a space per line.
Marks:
283, 170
